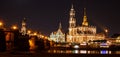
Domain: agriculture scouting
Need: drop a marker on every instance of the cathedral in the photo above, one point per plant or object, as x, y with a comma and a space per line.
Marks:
83, 33
58, 36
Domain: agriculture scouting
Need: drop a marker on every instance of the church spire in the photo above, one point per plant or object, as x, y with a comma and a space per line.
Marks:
85, 22
72, 7
60, 26
72, 20
24, 19
23, 29
84, 11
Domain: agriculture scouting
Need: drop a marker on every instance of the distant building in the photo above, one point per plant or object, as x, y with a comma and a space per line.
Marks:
118, 39
58, 36
83, 33
23, 29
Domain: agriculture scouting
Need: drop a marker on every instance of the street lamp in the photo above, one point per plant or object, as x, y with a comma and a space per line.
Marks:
1, 23
14, 27
28, 31
46, 37
35, 34
106, 31
42, 36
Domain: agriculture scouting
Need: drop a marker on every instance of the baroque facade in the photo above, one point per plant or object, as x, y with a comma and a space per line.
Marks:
58, 36
83, 33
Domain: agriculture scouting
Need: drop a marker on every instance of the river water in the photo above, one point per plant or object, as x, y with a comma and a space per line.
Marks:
84, 51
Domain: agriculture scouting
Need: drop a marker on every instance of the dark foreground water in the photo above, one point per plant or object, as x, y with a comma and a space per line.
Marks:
84, 51
62, 53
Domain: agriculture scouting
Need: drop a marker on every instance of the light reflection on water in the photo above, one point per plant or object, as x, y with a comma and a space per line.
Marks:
84, 51
104, 52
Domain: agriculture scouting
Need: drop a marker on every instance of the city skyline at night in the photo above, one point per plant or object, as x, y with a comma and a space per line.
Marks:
45, 15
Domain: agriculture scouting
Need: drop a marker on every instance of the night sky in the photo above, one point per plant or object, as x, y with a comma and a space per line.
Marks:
45, 15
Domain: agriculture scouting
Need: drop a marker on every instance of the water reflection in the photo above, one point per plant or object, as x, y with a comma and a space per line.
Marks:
84, 51
104, 52
76, 51
117, 52
93, 52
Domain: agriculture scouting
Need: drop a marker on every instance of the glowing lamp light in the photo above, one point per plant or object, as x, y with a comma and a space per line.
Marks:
46, 37
35, 33
42, 36
84, 43
76, 51
104, 52
29, 31
83, 51
14, 27
104, 45
1, 23
76, 46
106, 30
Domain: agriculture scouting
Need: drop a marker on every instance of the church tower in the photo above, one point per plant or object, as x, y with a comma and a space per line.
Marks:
85, 22
23, 29
72, 21
81, 34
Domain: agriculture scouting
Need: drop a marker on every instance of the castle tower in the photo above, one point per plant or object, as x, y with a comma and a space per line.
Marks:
85, 22
23, 29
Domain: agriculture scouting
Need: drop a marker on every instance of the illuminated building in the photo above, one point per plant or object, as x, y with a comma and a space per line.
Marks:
118, 39
58, 36
83, 33
23, 29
